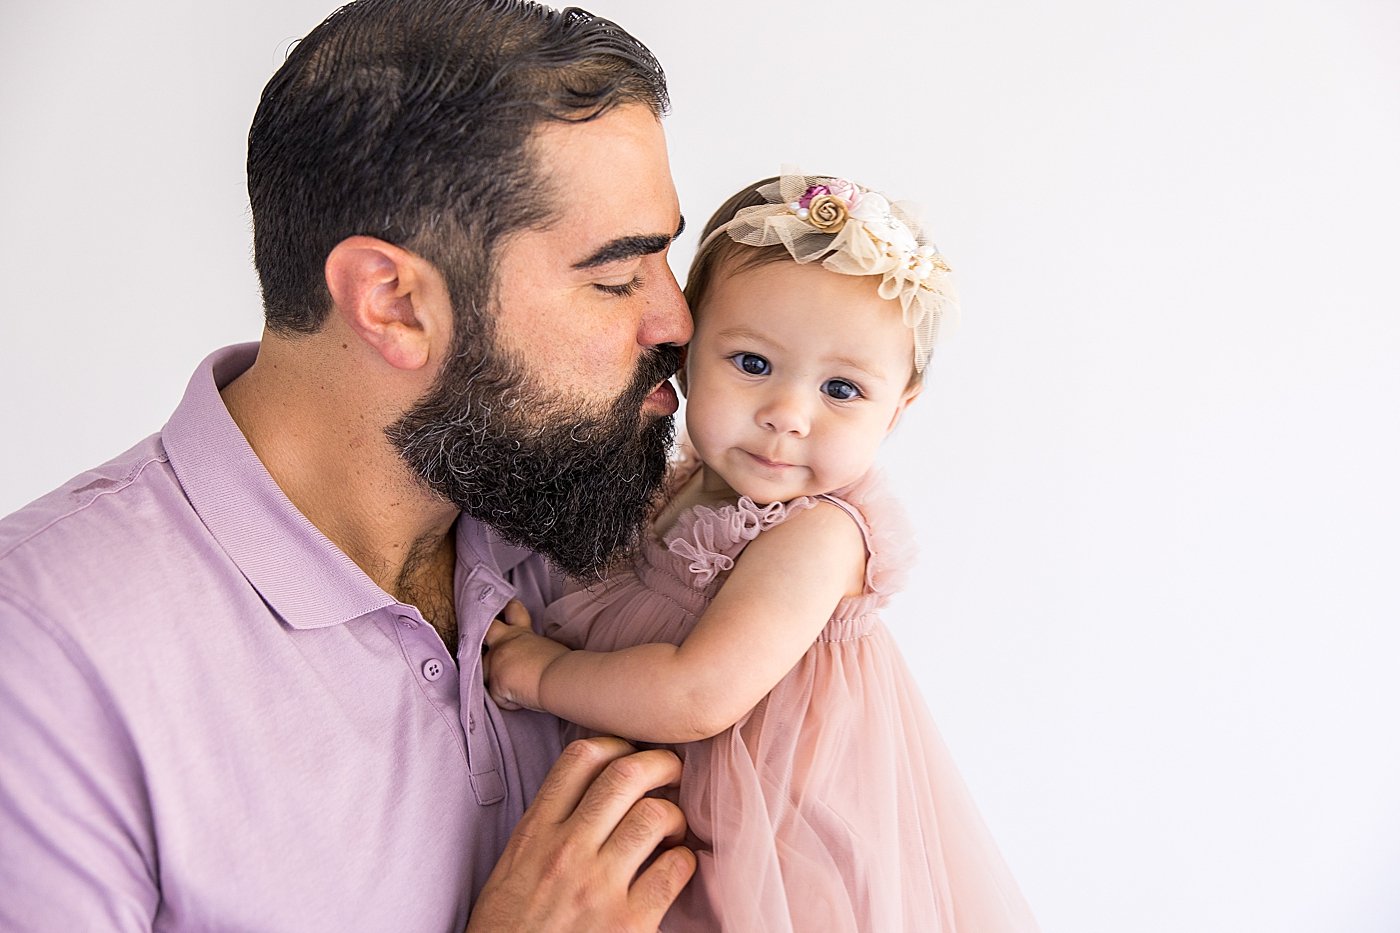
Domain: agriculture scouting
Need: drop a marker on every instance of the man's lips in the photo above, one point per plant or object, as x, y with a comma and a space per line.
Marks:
662, 400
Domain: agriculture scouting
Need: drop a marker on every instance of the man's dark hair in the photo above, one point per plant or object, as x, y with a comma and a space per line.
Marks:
409, 121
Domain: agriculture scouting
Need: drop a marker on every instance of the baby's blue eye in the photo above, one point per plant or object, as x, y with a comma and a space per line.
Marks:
840, 389
752, 363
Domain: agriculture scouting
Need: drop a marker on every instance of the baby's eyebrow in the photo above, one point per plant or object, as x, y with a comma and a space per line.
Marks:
629, 247
740, 333
859, 366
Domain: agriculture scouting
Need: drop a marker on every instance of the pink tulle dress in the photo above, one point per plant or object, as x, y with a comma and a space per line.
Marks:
833, 805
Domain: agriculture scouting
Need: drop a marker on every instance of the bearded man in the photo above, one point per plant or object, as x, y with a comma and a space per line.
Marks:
241, 687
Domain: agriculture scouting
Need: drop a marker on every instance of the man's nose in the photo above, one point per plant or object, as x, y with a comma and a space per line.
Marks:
667, 317
784, 412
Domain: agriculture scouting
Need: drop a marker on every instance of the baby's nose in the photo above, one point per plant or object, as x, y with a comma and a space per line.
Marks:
785, 413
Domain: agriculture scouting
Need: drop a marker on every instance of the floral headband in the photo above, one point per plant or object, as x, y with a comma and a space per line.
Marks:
853, 231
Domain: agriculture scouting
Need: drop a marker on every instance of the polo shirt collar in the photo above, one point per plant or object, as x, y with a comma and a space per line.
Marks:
306, 579
484, 541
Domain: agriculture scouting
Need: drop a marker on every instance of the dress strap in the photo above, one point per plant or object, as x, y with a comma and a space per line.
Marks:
865, 533
890, 541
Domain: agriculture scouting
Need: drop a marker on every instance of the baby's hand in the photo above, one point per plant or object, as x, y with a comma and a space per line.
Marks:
516, 659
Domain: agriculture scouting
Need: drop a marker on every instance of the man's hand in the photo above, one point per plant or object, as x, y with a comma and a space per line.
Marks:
516, 659
571, 864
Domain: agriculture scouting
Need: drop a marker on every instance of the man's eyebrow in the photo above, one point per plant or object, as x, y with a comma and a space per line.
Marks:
629, 247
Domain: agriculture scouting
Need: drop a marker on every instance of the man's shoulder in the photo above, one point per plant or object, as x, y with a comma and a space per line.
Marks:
64, 511
98, 529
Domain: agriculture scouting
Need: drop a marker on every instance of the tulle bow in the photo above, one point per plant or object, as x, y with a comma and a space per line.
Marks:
855, 231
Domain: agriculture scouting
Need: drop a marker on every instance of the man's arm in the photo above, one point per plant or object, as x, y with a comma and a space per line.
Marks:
572, 863
75, 850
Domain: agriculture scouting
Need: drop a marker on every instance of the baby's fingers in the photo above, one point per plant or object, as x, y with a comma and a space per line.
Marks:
515, 614
493, 686
501, 700
494, 633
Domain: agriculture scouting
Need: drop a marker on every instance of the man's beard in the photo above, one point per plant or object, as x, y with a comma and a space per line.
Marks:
575, 485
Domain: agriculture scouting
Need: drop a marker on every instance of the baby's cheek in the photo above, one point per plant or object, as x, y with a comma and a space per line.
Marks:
853, 456
698, 426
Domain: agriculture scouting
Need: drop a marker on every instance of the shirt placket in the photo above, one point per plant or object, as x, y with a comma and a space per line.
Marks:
481, 596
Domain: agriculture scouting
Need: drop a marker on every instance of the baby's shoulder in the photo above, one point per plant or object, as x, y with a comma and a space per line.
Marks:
816, 521
890, 538
820, 538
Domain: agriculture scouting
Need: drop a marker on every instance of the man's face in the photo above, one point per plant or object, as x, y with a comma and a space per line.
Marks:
551, 421
582, 301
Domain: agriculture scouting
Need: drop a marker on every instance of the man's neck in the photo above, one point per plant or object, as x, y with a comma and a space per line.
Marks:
324, 445
427, 581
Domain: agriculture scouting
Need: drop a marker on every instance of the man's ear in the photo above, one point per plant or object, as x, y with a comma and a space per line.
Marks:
396, 302
905, 401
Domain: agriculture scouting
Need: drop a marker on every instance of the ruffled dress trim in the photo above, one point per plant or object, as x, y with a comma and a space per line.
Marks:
702, 535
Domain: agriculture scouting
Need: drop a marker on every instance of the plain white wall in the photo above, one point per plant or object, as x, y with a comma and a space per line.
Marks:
1156, 468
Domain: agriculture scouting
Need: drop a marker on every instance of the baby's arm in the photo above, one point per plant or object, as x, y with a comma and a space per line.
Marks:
775, 602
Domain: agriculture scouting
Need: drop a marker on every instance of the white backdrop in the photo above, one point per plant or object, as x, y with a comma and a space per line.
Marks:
1155, 473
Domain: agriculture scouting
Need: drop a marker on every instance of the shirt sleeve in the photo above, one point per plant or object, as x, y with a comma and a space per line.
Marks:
76, 850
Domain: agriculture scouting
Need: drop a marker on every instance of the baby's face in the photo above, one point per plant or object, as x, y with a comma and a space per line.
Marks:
794, 376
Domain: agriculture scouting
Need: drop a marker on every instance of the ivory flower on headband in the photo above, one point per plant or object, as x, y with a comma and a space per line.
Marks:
854, 231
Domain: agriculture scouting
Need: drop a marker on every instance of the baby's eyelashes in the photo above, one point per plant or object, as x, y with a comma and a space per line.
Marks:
752, 364
841, 389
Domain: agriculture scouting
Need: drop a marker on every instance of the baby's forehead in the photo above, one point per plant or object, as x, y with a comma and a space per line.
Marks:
850, 339
785, 280
823, 318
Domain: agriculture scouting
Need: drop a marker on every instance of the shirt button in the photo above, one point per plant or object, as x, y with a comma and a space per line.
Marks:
486, 592
406, 622
432, 669
471, 723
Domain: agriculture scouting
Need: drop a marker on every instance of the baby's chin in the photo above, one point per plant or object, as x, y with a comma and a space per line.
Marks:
763, 493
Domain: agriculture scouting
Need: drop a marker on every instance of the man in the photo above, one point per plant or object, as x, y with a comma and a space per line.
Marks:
228, 696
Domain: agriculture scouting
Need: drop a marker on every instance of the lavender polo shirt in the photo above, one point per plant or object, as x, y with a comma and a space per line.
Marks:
211, 719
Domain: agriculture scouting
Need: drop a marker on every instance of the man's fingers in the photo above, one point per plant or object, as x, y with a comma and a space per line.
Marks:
575, 854
618, 788
656, 888
572, 775
651, 822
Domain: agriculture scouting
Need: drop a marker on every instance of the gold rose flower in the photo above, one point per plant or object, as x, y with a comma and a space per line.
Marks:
827, 214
